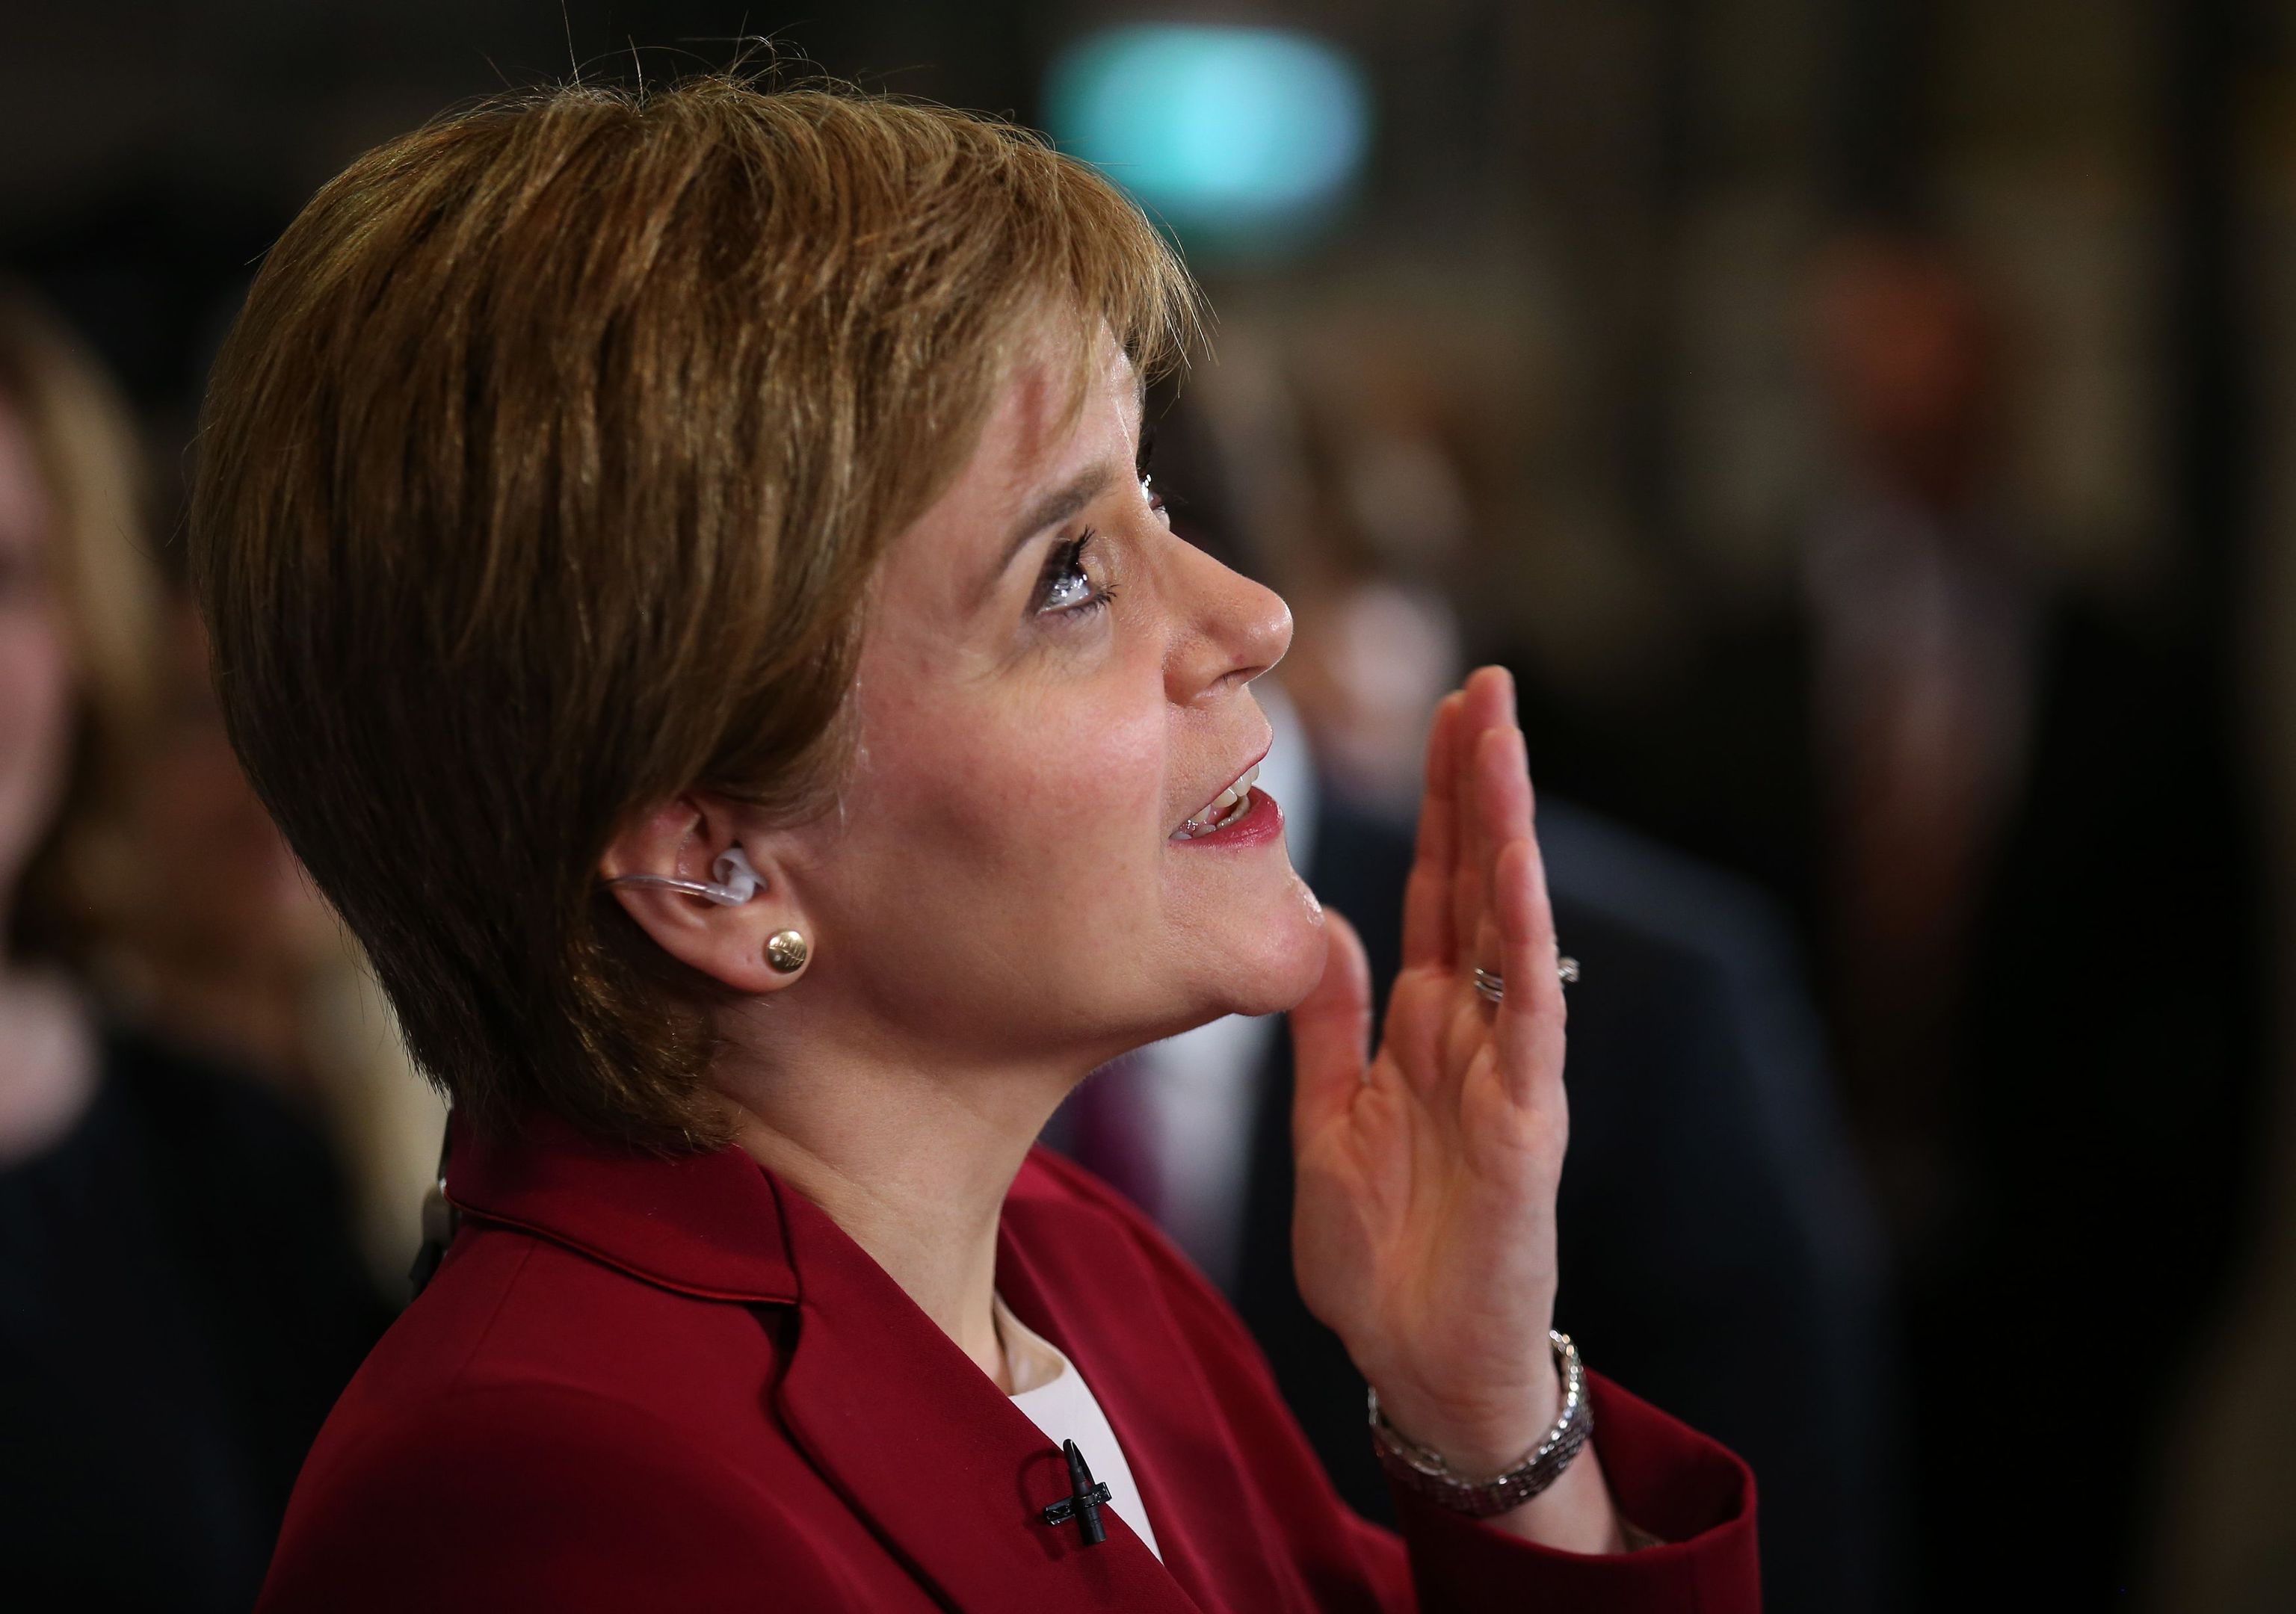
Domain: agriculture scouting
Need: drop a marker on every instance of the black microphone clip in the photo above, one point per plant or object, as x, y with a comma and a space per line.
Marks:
1085, 1499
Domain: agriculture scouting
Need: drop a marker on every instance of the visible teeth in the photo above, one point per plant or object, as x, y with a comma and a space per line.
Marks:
1221, 809
1229, 797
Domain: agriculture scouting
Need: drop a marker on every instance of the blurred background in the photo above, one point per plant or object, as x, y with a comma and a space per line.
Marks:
1864, 427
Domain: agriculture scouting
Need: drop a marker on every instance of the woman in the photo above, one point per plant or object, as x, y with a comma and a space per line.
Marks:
179, 1302
235, 955
679, 576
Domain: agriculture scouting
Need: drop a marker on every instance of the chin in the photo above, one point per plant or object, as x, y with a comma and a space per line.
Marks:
1279, 958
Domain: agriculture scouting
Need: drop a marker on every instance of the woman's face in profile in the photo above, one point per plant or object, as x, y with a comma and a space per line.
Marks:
35, 671
1052, 686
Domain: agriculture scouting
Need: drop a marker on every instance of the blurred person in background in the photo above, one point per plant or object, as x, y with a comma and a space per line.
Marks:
2008, 820
179, 1302
1713, 1198
217, 954
237, 957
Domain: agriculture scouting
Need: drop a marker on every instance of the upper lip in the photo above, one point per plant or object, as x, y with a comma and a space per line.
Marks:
1197, 815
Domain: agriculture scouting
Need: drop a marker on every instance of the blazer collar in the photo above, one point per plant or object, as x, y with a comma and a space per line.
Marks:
703, 1224
920, 1440
899, 1420
1078, 1272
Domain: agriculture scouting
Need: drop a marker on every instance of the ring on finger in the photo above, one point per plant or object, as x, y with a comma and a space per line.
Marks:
1492, 985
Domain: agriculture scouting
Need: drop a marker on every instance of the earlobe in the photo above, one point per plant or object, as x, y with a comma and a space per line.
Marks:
787, 950
745, 931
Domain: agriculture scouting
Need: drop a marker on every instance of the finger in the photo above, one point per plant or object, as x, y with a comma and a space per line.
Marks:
1487, 704
1502, 805
1501, 812
1427, 894
1331, 1033
1532, 1016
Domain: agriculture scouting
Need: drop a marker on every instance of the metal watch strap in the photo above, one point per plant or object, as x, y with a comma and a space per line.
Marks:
1425, 1473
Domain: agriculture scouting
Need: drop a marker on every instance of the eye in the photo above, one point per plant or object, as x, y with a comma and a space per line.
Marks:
1066, 587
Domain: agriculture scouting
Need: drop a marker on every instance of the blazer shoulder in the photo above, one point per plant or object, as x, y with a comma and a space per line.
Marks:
538, 1419
537, 1494
510, 1308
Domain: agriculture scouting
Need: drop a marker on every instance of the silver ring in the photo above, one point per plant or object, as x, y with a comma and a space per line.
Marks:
1492, 985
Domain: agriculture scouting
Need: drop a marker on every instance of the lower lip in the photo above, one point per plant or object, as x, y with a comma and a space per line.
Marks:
1263, 823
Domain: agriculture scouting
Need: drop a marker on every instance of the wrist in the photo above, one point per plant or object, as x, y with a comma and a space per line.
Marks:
1482, 1434
1463, 1481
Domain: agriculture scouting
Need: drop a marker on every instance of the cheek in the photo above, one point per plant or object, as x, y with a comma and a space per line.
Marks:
990, 847
998, 857
1042, 800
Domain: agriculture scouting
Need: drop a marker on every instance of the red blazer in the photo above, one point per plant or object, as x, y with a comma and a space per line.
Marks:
646, 1383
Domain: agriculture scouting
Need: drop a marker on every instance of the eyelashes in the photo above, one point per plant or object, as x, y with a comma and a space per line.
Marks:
1066, 589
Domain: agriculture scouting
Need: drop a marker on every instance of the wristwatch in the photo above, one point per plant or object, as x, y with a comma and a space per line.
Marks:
1424, 1473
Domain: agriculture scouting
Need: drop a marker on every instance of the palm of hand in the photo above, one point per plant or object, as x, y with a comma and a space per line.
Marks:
1424, 1228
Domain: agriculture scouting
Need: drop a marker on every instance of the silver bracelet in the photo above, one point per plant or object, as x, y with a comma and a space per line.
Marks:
1425, 1473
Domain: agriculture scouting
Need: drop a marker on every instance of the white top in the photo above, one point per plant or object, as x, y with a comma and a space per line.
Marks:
1047, 1386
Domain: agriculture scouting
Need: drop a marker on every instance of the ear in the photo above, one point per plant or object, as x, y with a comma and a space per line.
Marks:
727, 942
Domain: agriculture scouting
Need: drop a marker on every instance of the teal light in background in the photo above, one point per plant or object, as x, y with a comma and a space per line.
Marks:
1243, 140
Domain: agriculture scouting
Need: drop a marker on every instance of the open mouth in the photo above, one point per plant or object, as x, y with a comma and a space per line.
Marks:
1222, 810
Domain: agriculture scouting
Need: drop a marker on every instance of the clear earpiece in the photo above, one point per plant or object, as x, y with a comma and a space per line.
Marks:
736, 883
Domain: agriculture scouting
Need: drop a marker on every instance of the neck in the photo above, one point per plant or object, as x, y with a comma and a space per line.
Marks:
910, 1156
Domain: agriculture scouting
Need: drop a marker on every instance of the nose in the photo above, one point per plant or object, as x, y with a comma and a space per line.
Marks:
1236, 630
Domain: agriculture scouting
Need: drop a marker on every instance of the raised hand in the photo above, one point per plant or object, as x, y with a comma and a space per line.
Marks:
1423, 1230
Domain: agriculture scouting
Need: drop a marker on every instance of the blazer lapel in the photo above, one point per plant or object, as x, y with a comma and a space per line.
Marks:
1100, 1301
919, 1441
952, 1476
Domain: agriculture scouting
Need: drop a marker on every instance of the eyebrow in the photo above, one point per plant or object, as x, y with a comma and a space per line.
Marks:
1057, 506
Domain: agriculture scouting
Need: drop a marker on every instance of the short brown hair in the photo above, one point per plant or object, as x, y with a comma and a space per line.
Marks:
86, 454
542, 479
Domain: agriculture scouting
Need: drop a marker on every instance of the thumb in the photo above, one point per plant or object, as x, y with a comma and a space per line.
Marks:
1331, 1033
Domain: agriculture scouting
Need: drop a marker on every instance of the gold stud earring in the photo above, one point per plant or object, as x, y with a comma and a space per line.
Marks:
786, 951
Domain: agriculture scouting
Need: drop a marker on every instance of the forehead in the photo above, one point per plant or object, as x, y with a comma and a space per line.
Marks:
1053, 419
1058, 410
